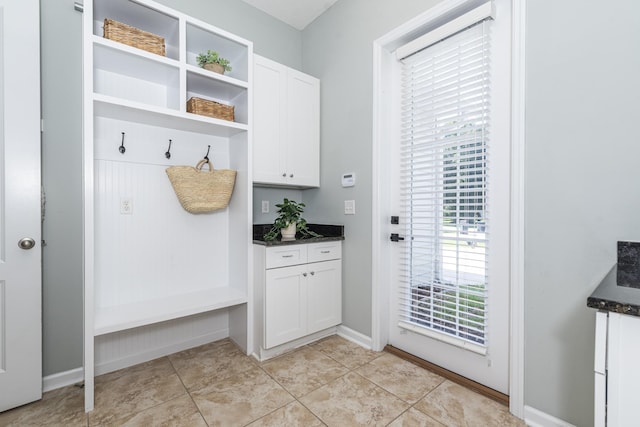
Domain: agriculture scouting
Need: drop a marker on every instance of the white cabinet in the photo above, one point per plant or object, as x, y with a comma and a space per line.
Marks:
286, 126
146, 259
285, 300
616, 396
301, 290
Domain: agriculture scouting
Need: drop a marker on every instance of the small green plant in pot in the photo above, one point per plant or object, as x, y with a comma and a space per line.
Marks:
212, 61
289, 221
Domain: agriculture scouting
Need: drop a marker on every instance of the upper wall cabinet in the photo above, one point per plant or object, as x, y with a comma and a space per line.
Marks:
286, 150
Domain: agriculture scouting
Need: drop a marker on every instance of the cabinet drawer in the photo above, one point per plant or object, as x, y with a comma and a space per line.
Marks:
282, 256
324, 251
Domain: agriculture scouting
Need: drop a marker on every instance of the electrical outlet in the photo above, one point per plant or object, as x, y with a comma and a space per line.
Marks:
349, 207
265, 206
126, 206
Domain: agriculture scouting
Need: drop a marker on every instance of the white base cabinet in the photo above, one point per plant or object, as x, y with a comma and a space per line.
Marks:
286, 126
300, 287
617, 373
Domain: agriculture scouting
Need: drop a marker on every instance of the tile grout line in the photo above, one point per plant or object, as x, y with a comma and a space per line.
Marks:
188, 391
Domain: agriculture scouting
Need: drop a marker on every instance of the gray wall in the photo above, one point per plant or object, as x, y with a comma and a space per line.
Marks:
61, 47
581, 191
338, 49
61, 35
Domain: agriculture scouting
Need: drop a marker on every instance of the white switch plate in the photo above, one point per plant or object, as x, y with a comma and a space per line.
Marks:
349, 207
126, 206
265, 206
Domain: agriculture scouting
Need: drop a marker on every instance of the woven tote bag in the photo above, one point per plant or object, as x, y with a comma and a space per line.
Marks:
201, 191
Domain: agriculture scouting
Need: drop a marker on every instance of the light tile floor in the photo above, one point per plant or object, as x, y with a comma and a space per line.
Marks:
329, 383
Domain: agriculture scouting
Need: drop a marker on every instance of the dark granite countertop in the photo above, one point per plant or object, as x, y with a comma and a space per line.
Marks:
609, 296
328, 232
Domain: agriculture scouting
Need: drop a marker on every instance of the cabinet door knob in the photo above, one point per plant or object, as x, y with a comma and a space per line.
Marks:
313, 273
291, 176
304, 274
284, 174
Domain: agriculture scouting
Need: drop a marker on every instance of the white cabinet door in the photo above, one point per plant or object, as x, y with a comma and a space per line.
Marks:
303, 129
285, 305
325, 295
270, 80
623, 373
286, 147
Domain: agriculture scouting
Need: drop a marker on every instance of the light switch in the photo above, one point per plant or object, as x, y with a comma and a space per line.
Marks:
349, 207
265, 206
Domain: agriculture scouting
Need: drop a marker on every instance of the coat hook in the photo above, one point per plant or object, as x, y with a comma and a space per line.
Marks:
206, 156
168, 153
122, 149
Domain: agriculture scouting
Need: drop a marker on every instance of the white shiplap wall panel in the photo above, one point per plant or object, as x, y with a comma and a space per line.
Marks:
159, 249
125, 348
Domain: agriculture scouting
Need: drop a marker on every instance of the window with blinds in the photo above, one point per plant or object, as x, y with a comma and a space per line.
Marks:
444, 171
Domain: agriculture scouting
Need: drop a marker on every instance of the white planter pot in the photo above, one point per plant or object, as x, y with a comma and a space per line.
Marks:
289, 233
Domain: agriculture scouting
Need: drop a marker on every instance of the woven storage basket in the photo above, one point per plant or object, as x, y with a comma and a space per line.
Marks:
204, 107
132, 36
202, 191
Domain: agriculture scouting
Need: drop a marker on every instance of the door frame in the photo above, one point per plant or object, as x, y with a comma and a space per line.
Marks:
380, 246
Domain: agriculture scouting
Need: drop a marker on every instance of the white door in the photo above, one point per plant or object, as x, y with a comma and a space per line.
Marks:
20, 223
449, 277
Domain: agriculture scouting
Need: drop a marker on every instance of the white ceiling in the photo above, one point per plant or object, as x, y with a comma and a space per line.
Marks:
297, 13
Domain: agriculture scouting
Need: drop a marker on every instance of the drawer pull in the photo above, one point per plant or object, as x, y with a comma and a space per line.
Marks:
325, 252
287, 256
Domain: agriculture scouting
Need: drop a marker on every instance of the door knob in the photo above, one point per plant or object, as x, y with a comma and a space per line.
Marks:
26, 243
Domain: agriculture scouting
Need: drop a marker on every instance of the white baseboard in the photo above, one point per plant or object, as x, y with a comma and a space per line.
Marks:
536, 418
62, 379
355, 336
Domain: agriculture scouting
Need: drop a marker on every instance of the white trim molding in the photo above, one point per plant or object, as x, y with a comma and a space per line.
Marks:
516, 344
62, 379
355, 337
536, 418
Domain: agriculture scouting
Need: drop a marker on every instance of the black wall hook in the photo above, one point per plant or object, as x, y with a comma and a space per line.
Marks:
122, 149
168, 153
206, 156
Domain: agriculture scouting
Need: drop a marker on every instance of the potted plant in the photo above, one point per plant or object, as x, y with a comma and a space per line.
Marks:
289, 221
212, 61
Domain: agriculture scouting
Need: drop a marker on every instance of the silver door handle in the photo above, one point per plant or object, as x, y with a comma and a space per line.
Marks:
26, 243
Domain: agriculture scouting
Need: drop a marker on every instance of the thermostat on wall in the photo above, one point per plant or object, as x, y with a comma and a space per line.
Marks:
348, 179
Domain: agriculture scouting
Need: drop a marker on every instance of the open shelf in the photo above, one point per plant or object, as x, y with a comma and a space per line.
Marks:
114, 319
199, 40
146, 18
117, 108
122, 72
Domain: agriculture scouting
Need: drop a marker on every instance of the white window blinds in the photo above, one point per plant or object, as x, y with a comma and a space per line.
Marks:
444, 172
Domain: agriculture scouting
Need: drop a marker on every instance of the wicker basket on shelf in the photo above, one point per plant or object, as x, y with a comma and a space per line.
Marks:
205, 107
132, 36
